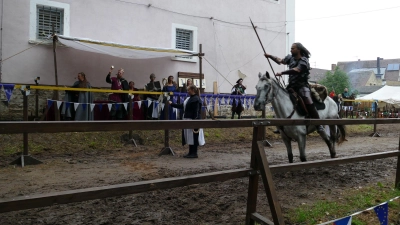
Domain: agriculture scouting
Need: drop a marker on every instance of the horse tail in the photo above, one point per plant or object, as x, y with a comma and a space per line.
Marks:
342, 134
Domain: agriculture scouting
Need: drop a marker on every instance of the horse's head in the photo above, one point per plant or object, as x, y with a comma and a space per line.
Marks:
264, 93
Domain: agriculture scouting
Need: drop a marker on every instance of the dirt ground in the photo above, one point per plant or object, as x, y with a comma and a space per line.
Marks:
213, 203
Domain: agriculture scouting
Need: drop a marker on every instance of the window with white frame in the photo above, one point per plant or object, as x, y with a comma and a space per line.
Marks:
184, 37
47, 17
44, 14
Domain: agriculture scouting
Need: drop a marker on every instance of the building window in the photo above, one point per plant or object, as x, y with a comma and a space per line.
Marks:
46, 17
43, 13
184, 37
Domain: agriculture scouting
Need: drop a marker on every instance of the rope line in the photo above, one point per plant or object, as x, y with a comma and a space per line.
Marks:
25, 49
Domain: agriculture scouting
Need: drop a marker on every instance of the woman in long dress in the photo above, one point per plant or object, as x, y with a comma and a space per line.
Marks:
191, 111
83, 112
170, 86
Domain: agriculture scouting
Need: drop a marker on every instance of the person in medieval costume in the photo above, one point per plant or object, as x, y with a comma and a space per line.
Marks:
191, 111
237, 105
118, 83
299, 70
151, 112
83, 112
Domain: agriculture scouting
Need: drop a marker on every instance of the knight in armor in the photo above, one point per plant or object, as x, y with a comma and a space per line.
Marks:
299, 71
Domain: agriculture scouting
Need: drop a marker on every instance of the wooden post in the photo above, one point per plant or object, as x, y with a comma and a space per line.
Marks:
55, 93
25, 158
25, 114
130, 111
397, 182
167, 149
253, 178
269, 186
215, 91
36, 104
375, 134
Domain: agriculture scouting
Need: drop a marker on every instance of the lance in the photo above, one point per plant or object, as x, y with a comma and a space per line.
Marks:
264, 51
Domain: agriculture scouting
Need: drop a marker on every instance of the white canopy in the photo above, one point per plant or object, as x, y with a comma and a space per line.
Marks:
120, 50
388, 94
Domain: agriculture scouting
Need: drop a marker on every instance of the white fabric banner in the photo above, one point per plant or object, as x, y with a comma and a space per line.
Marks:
126, 106
120, 50
109, 107
76, 105
148, 103
139, 104
92, 107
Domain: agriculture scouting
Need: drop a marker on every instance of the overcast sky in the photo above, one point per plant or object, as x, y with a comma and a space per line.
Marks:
356, 29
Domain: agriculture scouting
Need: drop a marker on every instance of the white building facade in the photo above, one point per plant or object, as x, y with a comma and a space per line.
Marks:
222, 27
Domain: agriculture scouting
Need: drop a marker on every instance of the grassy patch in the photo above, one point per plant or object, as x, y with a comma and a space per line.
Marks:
350, 202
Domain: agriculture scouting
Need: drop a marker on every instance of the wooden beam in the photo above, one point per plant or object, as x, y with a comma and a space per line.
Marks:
261, 220
253, 179
269, 185
64, 197
331, 162
123, 125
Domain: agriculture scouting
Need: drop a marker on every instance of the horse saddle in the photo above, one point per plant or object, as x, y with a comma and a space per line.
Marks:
318, 95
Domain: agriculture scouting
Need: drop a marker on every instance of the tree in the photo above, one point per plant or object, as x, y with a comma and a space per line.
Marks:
338, 81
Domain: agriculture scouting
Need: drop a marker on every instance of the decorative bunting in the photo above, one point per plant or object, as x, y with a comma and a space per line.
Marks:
59, 104
109, 107
343, 221
116, 106
139, 104
381, 212
162, 106
156, 105
92, 107
76, 105
126, 105
84, 105
67, 105
148, 103
100, 107
49, 103
8, 90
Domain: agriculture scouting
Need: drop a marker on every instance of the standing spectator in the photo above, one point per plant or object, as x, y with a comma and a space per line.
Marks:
237, 106
332, 94
118, 83
170, 86
183, 89
191, 111
83, 112
152, 86
136, 110
346, 93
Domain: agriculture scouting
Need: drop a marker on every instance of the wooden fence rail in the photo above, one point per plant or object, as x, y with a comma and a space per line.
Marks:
258, 165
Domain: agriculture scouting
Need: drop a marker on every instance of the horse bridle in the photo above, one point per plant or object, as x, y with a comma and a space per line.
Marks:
274, 94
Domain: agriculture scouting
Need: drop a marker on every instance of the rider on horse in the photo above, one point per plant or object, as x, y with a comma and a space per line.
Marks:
299, 70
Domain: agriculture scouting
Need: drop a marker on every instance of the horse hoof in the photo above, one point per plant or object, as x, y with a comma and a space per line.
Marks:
333, 156
303, 159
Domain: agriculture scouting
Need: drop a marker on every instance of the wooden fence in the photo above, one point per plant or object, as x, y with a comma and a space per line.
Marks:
259, 165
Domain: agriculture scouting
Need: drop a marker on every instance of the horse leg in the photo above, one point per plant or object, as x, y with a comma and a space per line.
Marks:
288, 145
301, 142
328, 142
333, 140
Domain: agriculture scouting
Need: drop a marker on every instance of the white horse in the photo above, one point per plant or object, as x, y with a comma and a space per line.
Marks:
269, 91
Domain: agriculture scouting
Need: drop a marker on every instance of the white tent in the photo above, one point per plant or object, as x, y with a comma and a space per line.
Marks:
120, 50
388, 94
